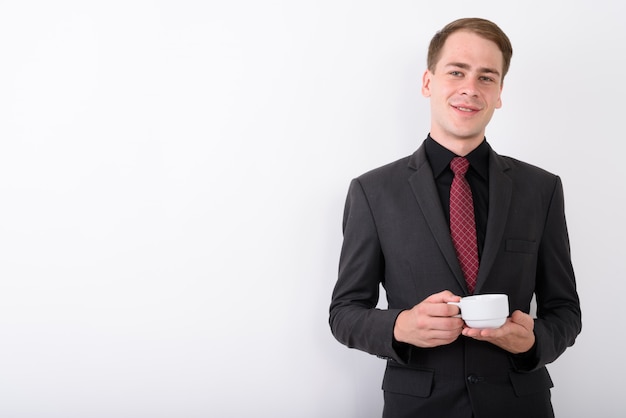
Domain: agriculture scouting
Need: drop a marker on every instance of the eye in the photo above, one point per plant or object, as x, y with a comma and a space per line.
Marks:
456, 73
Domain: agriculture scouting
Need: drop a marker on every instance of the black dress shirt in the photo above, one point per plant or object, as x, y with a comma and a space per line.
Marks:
477, 176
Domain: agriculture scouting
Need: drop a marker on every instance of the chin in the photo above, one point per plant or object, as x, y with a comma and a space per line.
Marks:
468, 136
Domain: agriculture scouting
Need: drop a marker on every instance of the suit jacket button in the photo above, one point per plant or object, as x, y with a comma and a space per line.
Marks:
472, 378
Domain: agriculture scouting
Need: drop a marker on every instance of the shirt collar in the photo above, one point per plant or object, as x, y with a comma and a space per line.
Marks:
439, 157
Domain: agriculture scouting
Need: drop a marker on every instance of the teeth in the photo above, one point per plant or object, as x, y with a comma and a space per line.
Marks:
464, 109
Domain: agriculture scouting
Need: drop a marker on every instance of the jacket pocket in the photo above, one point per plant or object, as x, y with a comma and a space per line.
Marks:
407, 381
532, 382
520, 246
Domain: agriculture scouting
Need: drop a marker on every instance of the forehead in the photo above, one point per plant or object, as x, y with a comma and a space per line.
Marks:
470, 49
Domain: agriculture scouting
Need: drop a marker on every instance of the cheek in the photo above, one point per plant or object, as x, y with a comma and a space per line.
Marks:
494, 98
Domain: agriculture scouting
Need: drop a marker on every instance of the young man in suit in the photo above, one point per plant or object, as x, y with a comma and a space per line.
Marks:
398, 233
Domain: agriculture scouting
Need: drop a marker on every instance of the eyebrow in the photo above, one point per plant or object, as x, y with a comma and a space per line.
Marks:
482, 70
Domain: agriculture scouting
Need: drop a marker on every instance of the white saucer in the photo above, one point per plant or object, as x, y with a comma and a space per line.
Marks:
485, 323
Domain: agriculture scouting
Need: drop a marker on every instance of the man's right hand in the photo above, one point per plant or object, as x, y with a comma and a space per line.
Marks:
430, 323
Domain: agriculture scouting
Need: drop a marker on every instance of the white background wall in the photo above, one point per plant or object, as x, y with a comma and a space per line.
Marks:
172, 180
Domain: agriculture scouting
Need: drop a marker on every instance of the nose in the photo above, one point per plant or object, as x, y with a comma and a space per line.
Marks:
469, 87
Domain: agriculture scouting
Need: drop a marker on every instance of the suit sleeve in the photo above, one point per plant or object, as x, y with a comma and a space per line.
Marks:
558, 307
354, 319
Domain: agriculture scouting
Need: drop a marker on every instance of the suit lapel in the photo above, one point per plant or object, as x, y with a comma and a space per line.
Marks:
425, 191
500, 190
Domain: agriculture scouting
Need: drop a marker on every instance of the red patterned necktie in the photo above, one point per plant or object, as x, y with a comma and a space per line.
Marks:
462, 222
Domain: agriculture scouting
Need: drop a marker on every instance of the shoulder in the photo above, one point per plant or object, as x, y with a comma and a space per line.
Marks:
389, 170
389, 179
527, 178
515, 167
396, 171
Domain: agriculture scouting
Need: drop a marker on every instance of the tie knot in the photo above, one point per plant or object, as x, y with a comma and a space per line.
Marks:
459, 166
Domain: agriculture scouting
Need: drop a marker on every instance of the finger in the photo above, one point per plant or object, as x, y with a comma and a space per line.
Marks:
443, 310
481, 334
523, 319
443, 297
447, 324
443, 336
471, 332
486, 333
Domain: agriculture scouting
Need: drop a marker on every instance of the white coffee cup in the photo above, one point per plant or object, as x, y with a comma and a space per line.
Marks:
484, 311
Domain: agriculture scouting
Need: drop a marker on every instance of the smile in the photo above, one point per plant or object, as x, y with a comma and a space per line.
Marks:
465, 109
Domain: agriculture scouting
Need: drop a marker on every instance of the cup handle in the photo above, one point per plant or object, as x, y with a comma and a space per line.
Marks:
457, 304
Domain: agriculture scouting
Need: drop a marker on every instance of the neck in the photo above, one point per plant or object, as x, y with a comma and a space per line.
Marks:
460, 147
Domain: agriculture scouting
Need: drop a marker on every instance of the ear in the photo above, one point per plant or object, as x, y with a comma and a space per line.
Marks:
426, 78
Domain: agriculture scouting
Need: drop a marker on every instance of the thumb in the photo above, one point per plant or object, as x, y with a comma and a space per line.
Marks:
523, 320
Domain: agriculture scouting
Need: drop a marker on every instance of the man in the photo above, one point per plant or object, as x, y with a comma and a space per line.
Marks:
398, 232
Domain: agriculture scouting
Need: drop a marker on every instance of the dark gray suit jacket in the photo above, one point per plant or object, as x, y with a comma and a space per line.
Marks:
396, 234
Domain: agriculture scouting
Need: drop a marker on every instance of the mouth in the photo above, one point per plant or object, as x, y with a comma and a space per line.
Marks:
465, 109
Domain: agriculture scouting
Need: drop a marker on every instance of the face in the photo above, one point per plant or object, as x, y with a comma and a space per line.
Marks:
464, 90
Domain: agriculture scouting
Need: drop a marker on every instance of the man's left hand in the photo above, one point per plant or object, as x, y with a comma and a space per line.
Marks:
515, 336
